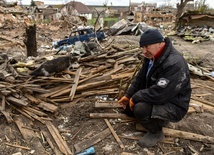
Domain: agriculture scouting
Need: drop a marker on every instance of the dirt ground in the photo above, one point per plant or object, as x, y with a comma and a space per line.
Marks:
76, 121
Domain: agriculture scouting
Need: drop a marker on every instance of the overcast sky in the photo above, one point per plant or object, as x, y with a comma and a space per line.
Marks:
112, 2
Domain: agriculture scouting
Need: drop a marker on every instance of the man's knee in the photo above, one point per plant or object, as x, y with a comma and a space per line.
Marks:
142, 110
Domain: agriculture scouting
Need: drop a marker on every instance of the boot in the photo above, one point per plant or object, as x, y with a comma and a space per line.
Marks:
151, 139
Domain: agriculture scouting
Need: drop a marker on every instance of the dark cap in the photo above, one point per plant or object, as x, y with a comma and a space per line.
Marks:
151, 36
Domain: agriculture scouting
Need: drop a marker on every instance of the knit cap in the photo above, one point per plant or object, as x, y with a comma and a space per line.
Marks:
151, 36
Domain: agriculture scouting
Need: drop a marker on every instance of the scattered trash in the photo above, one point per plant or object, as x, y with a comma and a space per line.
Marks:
88, 151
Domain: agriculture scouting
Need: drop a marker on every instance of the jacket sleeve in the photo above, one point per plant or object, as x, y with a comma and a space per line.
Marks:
136, 84
165, 87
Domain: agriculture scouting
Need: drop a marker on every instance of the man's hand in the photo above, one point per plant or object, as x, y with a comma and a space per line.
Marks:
131, 104
124, 101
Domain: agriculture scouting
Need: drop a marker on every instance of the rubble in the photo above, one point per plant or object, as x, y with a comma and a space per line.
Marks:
104, 70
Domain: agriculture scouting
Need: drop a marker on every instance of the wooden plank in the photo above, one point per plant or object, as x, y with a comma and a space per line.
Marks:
205, 106
12, 40
57, 90
63, 147
182, 134
84, 87
29, 135
61, 92
201, 85
120, 67
34, 116
18, 146
113, 105
111, 115
93, 85
76, 80
202, 100
38, 90
121, 76
55, 149
98, 92
3, 103
48, 107
31, 98
35, 111
114, 134
93, 140
16, 101
7, 116
107, 105
99, 69
129, 59
24, 113
89, 77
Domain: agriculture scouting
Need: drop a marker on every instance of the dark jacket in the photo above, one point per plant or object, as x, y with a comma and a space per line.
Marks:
167, 86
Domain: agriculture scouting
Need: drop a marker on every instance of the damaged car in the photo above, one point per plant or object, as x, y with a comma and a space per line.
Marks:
85, 34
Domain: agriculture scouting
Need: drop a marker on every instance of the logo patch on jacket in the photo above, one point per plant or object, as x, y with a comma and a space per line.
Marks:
162, 82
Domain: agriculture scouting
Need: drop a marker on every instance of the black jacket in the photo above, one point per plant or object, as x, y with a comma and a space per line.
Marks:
168, 84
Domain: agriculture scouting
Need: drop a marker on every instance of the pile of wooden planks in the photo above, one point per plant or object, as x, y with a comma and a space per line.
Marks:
107, 73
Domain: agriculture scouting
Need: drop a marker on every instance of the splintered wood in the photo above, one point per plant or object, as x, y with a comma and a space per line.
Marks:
58, 139
107, 73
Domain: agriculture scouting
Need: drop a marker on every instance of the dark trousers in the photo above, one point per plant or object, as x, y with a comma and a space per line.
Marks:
142, 112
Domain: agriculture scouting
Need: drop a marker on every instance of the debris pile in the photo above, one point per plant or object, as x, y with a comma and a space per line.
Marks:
197, 34
32, 90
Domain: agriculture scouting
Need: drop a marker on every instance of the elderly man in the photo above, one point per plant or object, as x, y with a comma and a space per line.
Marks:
160, 92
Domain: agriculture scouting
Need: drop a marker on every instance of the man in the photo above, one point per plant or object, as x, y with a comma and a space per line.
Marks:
160, 92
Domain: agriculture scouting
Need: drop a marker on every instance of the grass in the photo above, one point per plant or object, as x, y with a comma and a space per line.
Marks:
107, 21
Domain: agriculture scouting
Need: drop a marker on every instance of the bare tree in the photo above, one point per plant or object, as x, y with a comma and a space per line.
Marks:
180, 10
2, 2
105, 3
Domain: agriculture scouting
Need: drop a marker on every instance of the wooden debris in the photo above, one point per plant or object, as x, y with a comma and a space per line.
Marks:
18, 146
107, 105
35, 111
203, 101
29, 135
7, 116
63, 147
31, 98
34, 116
93, 140
193, 150
55, 149
76, 80
13, 41
205, 106
111, 115
3, 103
77, 133
18, 102
48, 107
114, 134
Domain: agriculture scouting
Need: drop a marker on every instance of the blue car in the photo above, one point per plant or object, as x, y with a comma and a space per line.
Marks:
79, 35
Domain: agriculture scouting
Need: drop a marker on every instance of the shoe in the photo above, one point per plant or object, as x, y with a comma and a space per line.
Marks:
151, 139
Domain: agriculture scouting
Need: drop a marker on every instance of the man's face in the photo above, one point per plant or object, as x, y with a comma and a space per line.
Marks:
149, 51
